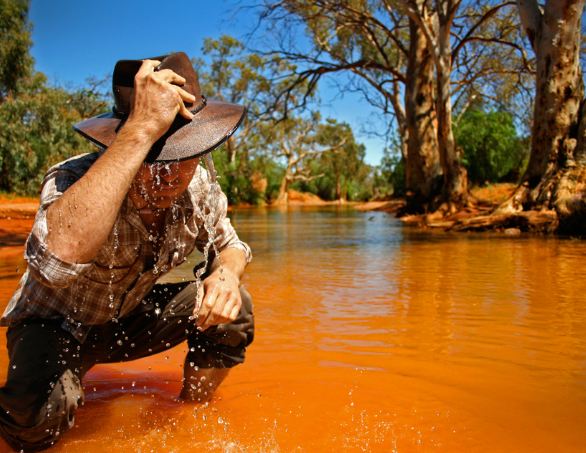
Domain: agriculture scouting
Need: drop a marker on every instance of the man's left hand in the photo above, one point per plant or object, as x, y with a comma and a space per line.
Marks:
221, 301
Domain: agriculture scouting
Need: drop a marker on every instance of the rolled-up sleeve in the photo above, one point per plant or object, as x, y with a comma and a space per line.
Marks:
225, 234
43, 265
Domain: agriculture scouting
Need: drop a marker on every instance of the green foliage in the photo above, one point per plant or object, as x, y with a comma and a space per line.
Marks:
37, 133
340, 174
36, 118
272, 172
236, 185
390, 176
15, 61
240, 179
492, 150
249, 171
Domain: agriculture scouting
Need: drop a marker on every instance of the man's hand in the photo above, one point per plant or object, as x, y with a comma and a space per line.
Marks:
221, 302
158, 99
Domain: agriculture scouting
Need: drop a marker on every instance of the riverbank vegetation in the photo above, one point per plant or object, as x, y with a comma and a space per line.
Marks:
469, 93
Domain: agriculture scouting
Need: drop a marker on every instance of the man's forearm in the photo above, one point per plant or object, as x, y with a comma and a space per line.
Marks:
80, 221
231, 259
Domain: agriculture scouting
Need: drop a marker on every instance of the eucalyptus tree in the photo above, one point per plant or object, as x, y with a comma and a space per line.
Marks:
401, 56
230, 73
344, 171
36, 118
388, 63
296, 141
37, 131
556, 173
15, 39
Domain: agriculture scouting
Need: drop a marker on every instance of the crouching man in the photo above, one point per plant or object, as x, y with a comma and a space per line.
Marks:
110, 224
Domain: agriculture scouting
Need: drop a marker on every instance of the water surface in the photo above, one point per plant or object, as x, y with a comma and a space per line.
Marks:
370, 337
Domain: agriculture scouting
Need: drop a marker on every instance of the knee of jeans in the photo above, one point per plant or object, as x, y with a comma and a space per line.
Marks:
57, 414
64, 399
44, 427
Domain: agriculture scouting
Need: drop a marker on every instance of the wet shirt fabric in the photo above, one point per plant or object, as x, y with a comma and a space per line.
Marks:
127, 265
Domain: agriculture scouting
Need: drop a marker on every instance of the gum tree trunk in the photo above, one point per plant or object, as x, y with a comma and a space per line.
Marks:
422, 170
455, 193
283, 196
556, 173
435, 23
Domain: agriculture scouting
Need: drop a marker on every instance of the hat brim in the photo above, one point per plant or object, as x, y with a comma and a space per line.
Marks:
209, 128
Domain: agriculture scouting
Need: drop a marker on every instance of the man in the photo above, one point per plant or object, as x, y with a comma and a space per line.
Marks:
109, 225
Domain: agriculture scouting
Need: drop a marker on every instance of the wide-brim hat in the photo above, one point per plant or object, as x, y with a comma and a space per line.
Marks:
213, 122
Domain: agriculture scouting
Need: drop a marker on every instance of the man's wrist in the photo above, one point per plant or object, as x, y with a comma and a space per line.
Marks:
139, 132
226, 273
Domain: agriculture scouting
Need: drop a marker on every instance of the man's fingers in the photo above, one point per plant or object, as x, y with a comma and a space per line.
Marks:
234, 313
219, 308
184, 111
203, 315
216, 313
186, 96
207, 305
232, 308
228, 308
147, 67
231, 311
170, 76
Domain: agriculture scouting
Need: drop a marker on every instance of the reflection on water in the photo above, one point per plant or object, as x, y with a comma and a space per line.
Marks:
370, 337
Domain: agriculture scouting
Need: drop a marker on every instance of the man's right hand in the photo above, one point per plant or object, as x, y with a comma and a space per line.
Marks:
157, 100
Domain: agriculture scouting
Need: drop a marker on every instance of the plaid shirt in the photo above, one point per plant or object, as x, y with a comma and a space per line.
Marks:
125, 268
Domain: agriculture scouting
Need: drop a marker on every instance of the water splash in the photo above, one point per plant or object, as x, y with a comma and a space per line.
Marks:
115, 247
207, 213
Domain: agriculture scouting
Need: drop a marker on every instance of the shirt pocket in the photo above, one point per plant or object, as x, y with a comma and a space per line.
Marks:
112, 267
102, 274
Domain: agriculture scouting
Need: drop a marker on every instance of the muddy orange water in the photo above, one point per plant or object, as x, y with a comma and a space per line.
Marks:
370, 337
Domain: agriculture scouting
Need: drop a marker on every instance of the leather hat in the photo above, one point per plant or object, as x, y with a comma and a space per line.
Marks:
213, 123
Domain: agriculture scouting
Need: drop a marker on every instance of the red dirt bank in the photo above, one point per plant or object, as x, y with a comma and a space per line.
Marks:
16, 218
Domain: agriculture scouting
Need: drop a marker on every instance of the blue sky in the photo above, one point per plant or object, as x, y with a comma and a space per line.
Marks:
74, 40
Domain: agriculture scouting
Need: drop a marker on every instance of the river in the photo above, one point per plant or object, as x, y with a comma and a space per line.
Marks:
370, 337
